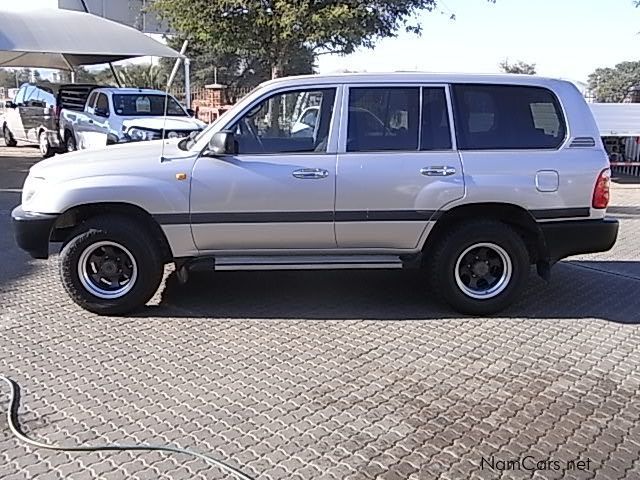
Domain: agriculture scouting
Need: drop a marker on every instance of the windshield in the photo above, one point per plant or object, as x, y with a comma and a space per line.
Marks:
144, 104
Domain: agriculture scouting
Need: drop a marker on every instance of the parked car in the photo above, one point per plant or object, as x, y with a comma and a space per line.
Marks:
31, 118
108, 116
474, 178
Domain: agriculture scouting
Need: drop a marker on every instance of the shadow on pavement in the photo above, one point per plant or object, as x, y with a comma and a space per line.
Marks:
576, 290
14, 167
624, 179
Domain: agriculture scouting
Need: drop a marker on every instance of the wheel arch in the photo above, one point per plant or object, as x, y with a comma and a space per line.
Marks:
513, 215
76, 215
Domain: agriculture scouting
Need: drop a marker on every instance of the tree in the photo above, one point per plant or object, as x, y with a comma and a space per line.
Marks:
275, 30
209, 66
518, 67
611, 85
7, 78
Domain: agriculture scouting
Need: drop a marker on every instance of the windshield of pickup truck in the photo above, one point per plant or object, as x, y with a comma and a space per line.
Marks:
144, 104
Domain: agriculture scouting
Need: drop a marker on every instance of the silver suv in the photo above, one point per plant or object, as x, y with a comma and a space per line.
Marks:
474, 178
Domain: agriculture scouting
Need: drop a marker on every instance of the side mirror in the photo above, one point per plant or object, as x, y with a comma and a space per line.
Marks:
191, 112
10, 104
101, 112
223, 143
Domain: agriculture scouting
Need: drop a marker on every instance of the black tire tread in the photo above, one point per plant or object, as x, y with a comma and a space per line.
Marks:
150, 264
492, 230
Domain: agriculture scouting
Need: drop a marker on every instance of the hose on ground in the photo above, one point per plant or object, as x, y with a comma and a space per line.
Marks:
14, 426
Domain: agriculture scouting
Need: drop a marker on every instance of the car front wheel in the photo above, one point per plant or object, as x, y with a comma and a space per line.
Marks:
480, 267
110, 266
70, 142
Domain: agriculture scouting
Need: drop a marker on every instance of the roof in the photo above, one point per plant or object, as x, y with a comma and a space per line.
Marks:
418, 77
51, 38
130, 90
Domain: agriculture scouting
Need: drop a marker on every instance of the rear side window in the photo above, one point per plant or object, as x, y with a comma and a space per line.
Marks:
383, 118
103, 103
92, 100
500, 117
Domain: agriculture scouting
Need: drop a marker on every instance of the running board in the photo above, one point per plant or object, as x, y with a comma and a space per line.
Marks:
319, 262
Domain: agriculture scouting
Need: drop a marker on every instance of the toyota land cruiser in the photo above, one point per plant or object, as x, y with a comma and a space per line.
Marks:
474, 178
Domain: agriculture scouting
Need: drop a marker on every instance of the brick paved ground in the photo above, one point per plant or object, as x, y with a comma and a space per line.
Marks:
334, 375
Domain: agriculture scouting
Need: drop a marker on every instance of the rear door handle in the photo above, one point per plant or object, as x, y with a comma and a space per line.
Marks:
311, 173
438, 171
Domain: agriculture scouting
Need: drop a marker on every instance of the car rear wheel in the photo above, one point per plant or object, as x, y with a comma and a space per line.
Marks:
45, 147
70, 142
110, 266
9, 141
479, 267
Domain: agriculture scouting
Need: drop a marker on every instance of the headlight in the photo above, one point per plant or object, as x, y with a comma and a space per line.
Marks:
31, 186
140, 135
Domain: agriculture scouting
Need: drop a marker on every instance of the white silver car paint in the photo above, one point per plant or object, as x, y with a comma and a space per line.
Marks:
359, 181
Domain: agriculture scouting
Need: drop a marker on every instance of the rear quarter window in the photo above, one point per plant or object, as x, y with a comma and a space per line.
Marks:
507, 117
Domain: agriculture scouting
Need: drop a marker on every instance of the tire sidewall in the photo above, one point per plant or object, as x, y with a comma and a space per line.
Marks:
505, 238
70, 143
48, 151
147, 260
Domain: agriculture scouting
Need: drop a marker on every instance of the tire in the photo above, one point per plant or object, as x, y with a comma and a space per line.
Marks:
480, 267
70, 142
9, 141
45, 147
123, 251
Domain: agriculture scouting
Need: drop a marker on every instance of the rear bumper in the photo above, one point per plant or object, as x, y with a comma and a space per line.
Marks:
573, 237
32, 231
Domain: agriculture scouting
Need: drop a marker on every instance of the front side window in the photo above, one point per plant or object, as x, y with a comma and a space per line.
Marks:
383, 118
146, 105
290, 122
20, 95
499, 117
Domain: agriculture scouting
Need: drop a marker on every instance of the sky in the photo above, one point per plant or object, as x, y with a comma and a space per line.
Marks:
564, 38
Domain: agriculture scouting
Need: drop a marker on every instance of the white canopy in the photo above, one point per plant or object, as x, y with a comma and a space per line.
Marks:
617, 119
64, 39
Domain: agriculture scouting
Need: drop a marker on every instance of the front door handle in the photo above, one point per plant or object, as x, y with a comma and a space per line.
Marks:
311, 173
438, 171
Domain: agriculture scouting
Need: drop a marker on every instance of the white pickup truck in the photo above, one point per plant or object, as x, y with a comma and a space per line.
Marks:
94, 117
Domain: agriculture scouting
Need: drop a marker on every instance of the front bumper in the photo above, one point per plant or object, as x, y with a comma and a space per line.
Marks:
574, 237
32, 231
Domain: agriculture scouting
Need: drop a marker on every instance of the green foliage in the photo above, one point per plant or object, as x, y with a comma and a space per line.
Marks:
235, 71
611, 85
275, 30
518, 67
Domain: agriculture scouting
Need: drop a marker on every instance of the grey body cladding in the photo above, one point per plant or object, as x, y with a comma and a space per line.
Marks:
340, 216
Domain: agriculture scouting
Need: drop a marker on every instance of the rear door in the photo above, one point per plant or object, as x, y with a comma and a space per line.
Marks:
31, 113
397, 165
14, 115
510, 138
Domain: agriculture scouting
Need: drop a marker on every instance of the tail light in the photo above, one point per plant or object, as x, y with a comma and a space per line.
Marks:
601, 191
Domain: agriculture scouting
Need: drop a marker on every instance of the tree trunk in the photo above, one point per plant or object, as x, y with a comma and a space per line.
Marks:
277, 71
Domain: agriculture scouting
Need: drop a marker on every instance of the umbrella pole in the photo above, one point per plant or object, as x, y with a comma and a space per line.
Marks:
113, 70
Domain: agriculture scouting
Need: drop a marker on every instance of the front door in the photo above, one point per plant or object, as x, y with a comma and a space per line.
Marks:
278, 192
397, 165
